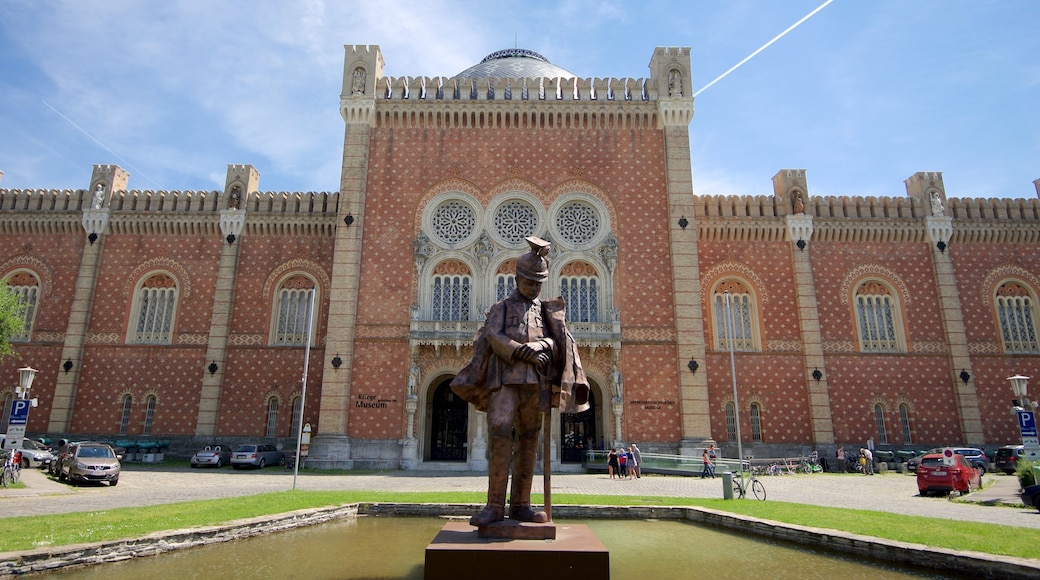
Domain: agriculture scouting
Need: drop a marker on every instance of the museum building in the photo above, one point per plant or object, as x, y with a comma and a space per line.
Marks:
806, 321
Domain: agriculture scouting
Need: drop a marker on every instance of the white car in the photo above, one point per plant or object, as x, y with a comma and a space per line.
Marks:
33, 454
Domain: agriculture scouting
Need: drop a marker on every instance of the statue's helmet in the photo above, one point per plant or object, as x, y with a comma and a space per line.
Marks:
533, 265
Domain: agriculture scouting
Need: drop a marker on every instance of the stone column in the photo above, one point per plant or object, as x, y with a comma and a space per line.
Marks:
940, 230
799, 231
362, 67
671, 85
104, 180
231, 224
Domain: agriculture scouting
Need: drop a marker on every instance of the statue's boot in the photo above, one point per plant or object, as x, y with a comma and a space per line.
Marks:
498, 475
523, 476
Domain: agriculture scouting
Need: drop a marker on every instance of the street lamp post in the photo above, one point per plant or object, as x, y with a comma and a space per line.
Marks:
20, 408
1023, 410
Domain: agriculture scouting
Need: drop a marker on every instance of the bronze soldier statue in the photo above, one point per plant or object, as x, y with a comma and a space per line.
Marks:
524, 362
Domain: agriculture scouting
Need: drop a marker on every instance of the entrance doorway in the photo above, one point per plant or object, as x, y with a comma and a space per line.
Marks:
576, 430
448, 433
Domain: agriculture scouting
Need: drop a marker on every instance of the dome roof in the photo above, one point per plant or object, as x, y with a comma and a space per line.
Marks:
514, 63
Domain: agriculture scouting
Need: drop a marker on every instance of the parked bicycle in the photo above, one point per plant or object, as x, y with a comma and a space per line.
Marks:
747, 480
12, 471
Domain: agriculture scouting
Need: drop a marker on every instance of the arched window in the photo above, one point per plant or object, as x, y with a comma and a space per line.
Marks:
149, 415
156, 305
756, 422
1015, 314
272, 416
124, 417
505, 280
504, 286
879, 419
731, 422
735, 317
297, 414
579, 286
450, 299
904, 421
878, 318
27, 288
294, 311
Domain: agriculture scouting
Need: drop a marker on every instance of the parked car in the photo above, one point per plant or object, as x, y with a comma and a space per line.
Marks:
1031, 496
1007, 458
90, 461
934, 474
258, 455
211, 455
35, 455
973, 454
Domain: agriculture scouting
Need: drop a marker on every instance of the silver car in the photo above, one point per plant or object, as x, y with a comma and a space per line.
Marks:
212, 455
258, 455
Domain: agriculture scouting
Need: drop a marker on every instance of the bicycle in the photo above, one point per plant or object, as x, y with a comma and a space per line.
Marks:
12, 472
742, 483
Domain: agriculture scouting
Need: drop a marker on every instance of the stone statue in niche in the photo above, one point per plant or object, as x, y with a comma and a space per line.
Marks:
236, 197
937, 205
797, 202
674, 83
525, 362
358, 84
99, 197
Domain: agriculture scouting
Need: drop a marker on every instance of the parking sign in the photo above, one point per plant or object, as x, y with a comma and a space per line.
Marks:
19, 412
1027, 423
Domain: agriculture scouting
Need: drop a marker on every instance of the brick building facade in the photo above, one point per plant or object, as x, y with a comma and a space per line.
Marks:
183, 315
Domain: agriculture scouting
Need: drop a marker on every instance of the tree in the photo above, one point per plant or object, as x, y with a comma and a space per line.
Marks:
11, 321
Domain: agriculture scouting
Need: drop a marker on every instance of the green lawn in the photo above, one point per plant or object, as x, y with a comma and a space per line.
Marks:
24, 533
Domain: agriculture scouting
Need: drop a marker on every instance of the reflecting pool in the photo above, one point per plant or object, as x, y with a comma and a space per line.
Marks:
386, 547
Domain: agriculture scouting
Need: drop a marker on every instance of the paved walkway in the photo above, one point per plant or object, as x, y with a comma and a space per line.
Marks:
891, 492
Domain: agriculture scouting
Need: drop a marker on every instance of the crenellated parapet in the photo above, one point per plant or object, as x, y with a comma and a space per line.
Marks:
924, 215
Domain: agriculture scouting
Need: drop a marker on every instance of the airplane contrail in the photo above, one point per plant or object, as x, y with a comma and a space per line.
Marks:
764, 46
102, 145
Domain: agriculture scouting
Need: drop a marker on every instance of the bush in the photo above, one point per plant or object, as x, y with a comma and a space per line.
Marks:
1024, 473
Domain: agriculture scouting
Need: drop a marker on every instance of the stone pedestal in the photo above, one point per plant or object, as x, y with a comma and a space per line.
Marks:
459, 553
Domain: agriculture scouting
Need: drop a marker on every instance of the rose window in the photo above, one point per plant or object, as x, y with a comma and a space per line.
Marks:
578, 223
453, 222
514, 221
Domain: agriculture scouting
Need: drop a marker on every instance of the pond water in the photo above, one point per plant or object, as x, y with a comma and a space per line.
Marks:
385, 547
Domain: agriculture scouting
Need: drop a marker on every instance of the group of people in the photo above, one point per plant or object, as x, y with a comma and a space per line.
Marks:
624, 463
864, 459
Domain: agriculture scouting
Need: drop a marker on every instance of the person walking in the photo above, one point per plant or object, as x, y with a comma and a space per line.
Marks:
707, 467
840, 455
612, 463
638, 457
622, 459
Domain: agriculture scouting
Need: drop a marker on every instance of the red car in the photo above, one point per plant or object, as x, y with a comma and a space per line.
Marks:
945, 474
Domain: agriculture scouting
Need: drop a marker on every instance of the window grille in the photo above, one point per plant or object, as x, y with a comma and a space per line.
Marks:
27, 289
738, 325
294, 312
756, 423
296, 415
451, 298
582, 297
731, 422
124, 418
879, 419
272, 416
1015, 316
149, 415
876, 317
904, 420
157, 302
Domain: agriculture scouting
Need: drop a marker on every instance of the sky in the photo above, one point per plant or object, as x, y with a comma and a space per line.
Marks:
862, 95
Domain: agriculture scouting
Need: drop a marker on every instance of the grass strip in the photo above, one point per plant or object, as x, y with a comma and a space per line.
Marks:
23, 533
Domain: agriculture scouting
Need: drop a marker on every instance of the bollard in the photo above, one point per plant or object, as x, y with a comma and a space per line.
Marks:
727, 485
